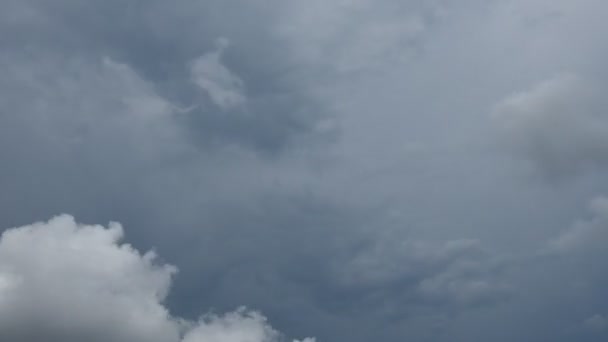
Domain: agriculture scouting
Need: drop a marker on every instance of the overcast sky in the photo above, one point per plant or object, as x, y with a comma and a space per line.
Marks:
320, 170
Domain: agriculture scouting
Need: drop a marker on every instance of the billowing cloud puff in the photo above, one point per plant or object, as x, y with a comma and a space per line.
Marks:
560, 124
237, 326
62, 281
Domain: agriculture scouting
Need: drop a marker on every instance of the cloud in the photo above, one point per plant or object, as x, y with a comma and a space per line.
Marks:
596, 323
69, 282
223, 87
64, 281
237, 326
283, 172
180, 56
456, 273
350, 36
560, 125
584, 234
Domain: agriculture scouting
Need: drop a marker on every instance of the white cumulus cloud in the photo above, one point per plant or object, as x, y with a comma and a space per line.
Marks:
63, 281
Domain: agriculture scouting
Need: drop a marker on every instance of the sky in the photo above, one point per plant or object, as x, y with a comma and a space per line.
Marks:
306, 171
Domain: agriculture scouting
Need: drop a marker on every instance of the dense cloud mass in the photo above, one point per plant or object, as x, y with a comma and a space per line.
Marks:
356, 170
560, 124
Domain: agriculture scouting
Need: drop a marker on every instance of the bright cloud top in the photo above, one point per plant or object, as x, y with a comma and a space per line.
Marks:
81, 283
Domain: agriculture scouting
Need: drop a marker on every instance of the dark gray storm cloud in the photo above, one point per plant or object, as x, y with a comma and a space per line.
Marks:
168, 45
356, 170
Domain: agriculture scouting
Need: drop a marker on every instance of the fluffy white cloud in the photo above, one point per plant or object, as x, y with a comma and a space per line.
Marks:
62, 281
238, 326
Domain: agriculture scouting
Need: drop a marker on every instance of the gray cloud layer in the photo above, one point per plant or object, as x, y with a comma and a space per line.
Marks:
560, 124
357, 170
